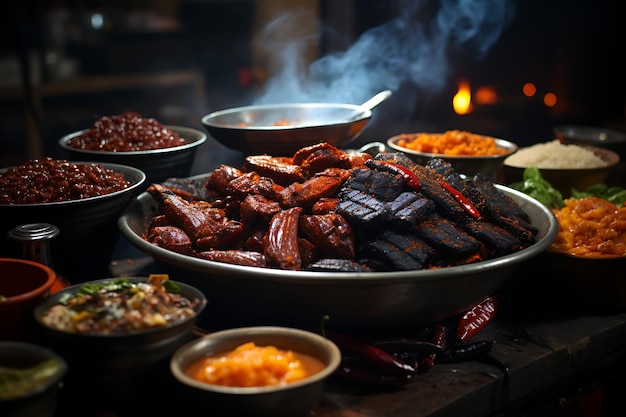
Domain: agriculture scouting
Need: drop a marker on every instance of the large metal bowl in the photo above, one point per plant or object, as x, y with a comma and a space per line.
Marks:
282, 129
255, 296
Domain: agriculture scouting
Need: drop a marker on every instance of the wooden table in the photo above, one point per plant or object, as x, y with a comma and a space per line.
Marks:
558, 359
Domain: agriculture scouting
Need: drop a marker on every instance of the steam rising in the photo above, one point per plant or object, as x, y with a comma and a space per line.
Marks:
416, 48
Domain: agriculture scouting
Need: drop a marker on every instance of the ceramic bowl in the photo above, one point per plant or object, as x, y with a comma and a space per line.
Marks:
292, 399
42, 399
564, 179
87, 230
157, 164
23, 284
489, 165
117, 363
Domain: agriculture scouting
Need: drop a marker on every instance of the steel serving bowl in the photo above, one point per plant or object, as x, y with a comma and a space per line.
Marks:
88, 232
256, 296
117, 363
157, 164
564, 179
592, 136
282, 129
293, 399
489, 165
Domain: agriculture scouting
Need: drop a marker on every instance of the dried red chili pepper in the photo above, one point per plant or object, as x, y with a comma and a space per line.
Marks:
476, 319
361, 375
465, 352
438, 338
409, 177
462, 200
375, 356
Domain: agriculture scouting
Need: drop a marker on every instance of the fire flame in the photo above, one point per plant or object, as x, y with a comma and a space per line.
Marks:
462, 100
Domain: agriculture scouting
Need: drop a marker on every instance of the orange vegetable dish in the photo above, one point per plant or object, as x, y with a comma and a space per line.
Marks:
250, 365
451, 142
591, 227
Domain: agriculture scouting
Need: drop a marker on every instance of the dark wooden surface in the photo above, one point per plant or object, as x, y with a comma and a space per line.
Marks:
561, 358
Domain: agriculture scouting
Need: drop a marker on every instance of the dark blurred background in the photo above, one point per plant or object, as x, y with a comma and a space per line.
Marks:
65, 63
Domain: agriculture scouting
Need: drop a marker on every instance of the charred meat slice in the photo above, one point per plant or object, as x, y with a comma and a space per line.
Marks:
383, 185
235, 257
338, 265
330, 233
360, 208
446, 236
498, 240
407, 209
172, 238
279, 170
487, 198
281, 240
323, 184
447, 171
394, 257
409, 244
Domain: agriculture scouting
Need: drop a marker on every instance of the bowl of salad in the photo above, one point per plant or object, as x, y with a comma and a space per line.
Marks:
119, 333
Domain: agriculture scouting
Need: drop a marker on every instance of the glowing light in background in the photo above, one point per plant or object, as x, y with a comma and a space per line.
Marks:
462, 100
486, 95
549, 99
529, 89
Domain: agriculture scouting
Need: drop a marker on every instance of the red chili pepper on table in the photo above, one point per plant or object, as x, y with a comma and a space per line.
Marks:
476, 319
375, 356
438, 338
409, 177
462, 200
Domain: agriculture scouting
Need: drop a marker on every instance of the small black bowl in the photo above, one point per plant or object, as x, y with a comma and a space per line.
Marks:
118, 364
592, 136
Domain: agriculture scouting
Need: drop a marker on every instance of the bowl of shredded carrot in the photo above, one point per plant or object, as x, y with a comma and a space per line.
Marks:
585, 265
469, 153
258, 370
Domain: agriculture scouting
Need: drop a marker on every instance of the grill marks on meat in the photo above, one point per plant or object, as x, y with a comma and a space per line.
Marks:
327, 210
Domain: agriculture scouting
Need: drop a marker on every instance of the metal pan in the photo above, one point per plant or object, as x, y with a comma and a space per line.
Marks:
282, 129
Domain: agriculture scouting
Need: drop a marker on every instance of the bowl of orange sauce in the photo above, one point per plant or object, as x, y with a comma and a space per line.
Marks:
259, 370
469, 153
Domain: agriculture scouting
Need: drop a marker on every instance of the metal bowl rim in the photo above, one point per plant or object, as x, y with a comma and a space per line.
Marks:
353, 278
249, 333
512, 147
54, 299
207, 119
201, 137
124, 169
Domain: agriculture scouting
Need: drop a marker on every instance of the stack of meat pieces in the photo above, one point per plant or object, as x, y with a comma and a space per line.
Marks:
328, 210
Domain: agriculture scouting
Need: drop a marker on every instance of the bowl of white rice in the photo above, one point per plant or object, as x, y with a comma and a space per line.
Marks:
565, 166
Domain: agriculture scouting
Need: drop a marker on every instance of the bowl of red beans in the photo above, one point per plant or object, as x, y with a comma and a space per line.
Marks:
82, 199
160, 151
